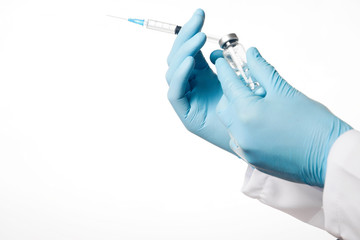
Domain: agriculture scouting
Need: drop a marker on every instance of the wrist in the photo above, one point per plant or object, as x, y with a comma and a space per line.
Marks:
336, 133
323, 173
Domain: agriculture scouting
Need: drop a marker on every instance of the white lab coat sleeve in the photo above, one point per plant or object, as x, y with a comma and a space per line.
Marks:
341, 199
335, 209
299, 200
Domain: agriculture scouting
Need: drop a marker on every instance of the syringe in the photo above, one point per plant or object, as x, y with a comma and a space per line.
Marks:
161, 26
234, 52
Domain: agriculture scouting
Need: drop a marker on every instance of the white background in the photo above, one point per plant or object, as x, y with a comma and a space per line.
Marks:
90, 148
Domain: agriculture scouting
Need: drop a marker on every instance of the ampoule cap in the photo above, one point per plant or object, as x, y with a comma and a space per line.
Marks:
228, 38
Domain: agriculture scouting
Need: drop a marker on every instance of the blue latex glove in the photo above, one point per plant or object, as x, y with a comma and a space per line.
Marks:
194, 90
285, 133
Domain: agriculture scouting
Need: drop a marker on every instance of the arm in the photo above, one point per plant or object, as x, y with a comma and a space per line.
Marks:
341, 198
293, 134
286, 137
298, 200
334, 208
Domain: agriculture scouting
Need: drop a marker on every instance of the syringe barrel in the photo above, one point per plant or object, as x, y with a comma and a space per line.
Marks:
162, 26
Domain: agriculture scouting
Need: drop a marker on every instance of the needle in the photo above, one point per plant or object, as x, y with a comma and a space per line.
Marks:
117, 17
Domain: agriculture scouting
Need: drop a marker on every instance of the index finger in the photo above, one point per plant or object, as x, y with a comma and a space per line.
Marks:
192, 27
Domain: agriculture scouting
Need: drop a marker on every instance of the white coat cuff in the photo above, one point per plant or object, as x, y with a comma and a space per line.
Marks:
341, 197
299, 200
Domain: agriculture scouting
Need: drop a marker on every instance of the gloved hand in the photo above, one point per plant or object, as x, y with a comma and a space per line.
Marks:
285, 133
194, 90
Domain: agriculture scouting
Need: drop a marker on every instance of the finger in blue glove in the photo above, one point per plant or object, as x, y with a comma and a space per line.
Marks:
285, 133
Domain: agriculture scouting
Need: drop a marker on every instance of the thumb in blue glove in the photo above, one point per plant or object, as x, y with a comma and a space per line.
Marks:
285, 133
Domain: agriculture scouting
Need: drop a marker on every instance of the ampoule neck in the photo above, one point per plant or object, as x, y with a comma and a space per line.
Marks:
230, 44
